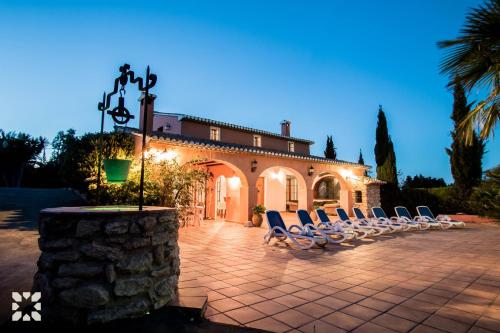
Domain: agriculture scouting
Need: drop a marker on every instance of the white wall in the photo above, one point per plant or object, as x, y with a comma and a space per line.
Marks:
275, 194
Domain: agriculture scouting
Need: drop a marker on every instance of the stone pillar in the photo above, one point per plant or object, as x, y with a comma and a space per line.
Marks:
100, 265
372, 197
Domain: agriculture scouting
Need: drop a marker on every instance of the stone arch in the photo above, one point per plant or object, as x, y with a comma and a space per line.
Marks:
275, 188
345, 194
234, 205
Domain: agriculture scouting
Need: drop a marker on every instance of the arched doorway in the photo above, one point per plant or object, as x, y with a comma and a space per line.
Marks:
226, 192
282, 189
331, 191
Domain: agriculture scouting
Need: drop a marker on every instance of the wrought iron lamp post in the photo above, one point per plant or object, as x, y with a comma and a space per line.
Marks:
122, 116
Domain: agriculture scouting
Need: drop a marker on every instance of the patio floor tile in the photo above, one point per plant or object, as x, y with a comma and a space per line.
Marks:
314, 310
293, 318
319, 326
372, 328
269, 324
446, 324
343, 320
245, 315
269, 307
290, 301
249, 298
394, 323
409, 313
225, 304
360, 312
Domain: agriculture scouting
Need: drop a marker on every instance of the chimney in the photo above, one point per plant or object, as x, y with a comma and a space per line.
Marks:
285, 127
149, 120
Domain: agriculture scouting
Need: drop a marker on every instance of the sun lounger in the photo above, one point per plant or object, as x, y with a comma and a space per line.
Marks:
302, 238
323, 217
380, 215
372, 231
360, 217
405, 217
335, 234
425, 212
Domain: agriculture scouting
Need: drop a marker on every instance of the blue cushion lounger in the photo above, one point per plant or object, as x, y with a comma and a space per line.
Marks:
371, 231
425, 212
325, 229
379, 213
278, 230
360, 217
404, 215
323, 217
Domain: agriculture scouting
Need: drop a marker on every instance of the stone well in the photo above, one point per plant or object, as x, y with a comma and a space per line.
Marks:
104, 263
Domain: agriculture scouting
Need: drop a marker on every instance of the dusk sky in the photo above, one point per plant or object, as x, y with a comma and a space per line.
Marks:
323, 65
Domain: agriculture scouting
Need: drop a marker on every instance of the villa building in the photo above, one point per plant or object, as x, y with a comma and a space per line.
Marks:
252, 167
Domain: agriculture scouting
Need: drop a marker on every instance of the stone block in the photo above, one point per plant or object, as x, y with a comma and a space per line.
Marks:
82, 270
137, 242
65, 283
159, 254
89, 297
147, 223
161, 238
134, 309
99, 251
62, 243
116, 227
136, 263
132, 286
110, 273
86, 228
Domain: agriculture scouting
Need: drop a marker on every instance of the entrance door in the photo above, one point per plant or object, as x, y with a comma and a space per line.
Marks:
220, 197
260, 190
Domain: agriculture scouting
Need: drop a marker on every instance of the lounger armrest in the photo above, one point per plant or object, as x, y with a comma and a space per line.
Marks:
295, 226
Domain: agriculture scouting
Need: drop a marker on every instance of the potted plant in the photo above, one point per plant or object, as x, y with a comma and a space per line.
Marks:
257, 215
117, 167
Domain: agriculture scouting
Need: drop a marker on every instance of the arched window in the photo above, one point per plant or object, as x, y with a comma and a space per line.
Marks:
327, 188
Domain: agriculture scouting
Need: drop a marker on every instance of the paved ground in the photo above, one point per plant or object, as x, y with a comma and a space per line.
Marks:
412, 282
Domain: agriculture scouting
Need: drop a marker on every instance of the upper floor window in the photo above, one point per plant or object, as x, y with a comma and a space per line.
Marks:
291, 146
215, 133
257, 141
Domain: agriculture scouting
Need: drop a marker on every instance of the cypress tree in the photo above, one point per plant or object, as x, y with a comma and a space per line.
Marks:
465, 160
330, 150
360, 158
384, 152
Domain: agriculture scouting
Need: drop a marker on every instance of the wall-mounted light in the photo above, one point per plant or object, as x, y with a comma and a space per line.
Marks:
253, 166
310, 171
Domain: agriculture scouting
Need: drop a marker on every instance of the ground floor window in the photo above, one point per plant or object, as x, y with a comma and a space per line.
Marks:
292, 193
327, 188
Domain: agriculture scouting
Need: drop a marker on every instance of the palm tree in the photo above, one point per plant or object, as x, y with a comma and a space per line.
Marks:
473, 60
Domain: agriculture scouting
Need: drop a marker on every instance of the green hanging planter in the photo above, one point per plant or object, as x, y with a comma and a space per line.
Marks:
117, 170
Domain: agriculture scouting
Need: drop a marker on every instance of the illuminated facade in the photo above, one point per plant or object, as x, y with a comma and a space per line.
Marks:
252, 167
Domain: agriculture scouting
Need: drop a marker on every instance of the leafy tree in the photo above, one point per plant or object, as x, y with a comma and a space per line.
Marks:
384, 152
485, 199
16, 151
167, 183
473, 61
465, 160
420, 181
330, 150
361, 160
77, 157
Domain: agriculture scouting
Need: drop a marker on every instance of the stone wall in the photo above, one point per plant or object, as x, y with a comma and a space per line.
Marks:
370, 197
101, 265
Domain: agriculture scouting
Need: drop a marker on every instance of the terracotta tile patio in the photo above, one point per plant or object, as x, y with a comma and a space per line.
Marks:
437, 281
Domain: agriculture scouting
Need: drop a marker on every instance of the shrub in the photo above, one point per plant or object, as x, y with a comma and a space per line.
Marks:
259, 209
485, 198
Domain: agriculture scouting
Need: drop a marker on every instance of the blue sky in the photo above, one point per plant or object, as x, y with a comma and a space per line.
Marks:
324, 65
